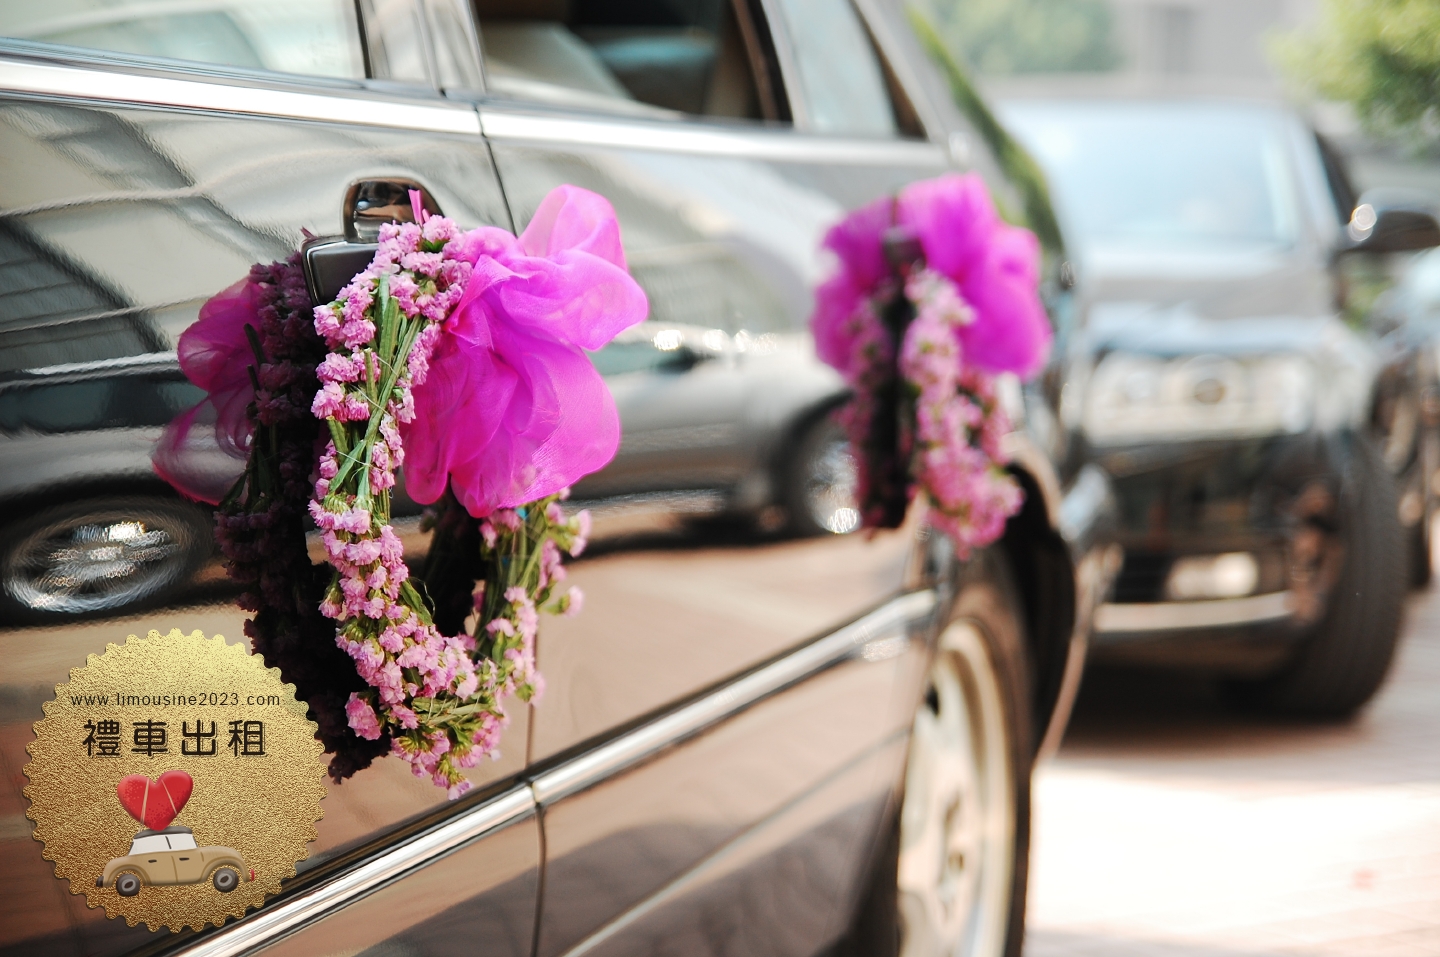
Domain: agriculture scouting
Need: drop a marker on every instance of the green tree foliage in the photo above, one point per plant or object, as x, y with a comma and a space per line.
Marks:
1026, 36
1380, 56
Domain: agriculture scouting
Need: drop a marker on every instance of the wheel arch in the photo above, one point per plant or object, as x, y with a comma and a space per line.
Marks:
1044, 573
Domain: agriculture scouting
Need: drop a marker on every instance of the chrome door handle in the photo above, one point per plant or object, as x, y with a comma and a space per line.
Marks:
370, 203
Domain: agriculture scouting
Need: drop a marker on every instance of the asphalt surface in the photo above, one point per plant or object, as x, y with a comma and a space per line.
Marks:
1169, 826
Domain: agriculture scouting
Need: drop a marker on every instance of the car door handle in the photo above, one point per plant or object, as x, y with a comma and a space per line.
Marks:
369, 203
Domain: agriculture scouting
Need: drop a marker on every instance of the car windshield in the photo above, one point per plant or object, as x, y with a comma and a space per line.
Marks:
1163, 178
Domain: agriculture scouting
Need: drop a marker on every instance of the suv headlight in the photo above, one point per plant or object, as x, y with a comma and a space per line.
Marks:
1137, 398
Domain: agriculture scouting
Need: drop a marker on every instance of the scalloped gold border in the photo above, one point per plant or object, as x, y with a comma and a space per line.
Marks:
264, 807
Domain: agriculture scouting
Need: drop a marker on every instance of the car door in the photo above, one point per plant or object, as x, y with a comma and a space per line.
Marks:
149, 154
688, 805
189, 863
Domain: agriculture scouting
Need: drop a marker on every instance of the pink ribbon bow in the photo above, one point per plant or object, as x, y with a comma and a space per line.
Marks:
994, 265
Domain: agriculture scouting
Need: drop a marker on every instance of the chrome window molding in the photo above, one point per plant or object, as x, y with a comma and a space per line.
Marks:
113, 86
506, 125
871, 637
275, 921
877, 636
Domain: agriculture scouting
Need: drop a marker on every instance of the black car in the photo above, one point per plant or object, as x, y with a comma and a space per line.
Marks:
752, 741
1273, 470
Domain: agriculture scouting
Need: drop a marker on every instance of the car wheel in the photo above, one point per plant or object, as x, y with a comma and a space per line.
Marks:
1344, 661
100, 555
1421, 560
225, 879
819, 484
127, 884
952, 878
1421, 566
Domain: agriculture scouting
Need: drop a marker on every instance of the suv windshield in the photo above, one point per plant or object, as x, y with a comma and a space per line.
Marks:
1147, 178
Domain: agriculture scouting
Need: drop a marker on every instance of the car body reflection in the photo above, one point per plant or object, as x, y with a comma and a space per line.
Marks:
733, 707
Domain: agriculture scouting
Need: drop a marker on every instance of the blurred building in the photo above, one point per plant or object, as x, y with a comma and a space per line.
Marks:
1223, 40
1085, 48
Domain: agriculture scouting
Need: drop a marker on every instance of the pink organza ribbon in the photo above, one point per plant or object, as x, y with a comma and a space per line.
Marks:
216, 356
994, 265
512, 409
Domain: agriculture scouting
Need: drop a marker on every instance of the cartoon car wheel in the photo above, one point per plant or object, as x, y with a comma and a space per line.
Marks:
128, 885
225, 880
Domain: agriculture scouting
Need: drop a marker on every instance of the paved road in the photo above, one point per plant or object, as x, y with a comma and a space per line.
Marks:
1169, 827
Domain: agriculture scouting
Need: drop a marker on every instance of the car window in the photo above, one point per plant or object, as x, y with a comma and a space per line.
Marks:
656, 57
314, 37
839, 71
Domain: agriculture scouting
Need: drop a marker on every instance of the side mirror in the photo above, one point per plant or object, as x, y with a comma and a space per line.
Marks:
1391, 221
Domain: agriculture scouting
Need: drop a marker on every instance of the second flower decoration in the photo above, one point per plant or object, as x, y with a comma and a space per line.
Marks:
935, 296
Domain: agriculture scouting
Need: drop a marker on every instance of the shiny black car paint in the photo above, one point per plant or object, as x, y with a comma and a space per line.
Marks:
125, 211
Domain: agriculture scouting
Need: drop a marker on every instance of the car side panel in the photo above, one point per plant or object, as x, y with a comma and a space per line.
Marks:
479, 900
641, 644
823, 756
775, 889
675, 609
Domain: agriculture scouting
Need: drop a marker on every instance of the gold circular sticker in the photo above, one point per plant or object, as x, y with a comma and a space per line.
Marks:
174, 780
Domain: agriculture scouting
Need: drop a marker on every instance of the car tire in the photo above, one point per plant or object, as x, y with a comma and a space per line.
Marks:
1421, 564
819, 482
1421, 537
127, 884
952, 875
225, 879
100, 556
1341, 665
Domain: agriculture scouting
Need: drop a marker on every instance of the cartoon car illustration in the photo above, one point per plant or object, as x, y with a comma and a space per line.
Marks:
169, 856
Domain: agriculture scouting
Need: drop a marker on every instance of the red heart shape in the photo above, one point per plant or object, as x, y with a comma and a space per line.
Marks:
155, 803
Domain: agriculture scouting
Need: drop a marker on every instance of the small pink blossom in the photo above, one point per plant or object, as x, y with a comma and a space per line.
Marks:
362, 718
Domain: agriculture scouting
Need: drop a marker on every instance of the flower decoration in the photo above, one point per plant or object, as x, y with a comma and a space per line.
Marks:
935, 296
460, 356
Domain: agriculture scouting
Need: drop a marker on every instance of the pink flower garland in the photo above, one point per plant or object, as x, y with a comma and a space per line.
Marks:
924, 414
957, 458
380, 333
439, 697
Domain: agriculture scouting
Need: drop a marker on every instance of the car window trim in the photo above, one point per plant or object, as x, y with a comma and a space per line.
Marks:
871, 637
436, 115
503, 123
